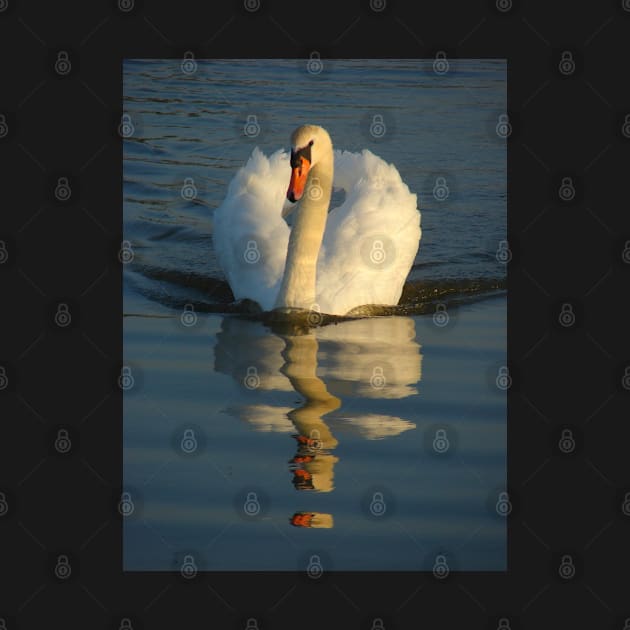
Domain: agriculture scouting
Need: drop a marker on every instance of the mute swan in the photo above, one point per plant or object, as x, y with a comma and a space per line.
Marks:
358, 255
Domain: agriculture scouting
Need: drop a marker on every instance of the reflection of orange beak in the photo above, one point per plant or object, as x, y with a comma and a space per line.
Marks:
301, 459
298, 180
311, 519
302, 519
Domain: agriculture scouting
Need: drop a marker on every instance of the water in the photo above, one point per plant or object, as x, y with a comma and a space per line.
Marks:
372, 395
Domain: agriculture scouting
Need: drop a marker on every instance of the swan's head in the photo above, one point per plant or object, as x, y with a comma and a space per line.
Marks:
309, 144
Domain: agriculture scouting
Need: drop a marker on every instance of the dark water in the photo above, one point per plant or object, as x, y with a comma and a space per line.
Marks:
370, 444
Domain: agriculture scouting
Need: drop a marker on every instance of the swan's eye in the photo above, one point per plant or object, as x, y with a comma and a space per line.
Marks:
297, 156
310, 144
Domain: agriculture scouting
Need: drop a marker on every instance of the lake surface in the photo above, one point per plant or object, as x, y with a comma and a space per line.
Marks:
370, 444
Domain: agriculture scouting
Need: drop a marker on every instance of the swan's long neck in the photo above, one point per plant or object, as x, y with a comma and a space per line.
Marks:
300, 272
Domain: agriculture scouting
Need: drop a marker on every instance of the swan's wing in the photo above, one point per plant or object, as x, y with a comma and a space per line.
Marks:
371, 240
250, 236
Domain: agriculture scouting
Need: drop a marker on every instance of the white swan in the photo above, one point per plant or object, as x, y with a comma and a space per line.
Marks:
358, 255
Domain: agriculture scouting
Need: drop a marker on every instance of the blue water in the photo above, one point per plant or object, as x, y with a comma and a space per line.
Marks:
378, 391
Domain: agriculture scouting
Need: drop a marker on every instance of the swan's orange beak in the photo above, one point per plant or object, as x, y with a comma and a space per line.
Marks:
298, 180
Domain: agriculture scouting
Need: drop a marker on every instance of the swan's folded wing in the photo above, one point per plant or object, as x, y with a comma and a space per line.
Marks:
250, 236
371, 240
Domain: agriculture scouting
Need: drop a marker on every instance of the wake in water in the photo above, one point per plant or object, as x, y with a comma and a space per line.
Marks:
177, 290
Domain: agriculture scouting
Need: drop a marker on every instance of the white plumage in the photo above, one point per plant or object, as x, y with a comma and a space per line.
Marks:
369, 244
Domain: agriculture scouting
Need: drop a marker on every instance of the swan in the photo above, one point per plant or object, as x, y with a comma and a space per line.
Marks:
357, 255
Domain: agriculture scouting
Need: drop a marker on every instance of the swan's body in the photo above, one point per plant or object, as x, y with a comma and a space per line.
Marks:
359, 254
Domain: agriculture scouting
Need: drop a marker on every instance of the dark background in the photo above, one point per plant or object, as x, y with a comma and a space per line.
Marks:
565, 252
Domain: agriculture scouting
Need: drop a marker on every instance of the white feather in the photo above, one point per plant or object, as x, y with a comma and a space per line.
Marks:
378, 208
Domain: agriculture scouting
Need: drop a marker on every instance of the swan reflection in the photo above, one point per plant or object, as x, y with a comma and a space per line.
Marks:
312, 519
372, 358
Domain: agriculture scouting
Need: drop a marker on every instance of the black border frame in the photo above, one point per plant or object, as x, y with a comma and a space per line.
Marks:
563, 253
